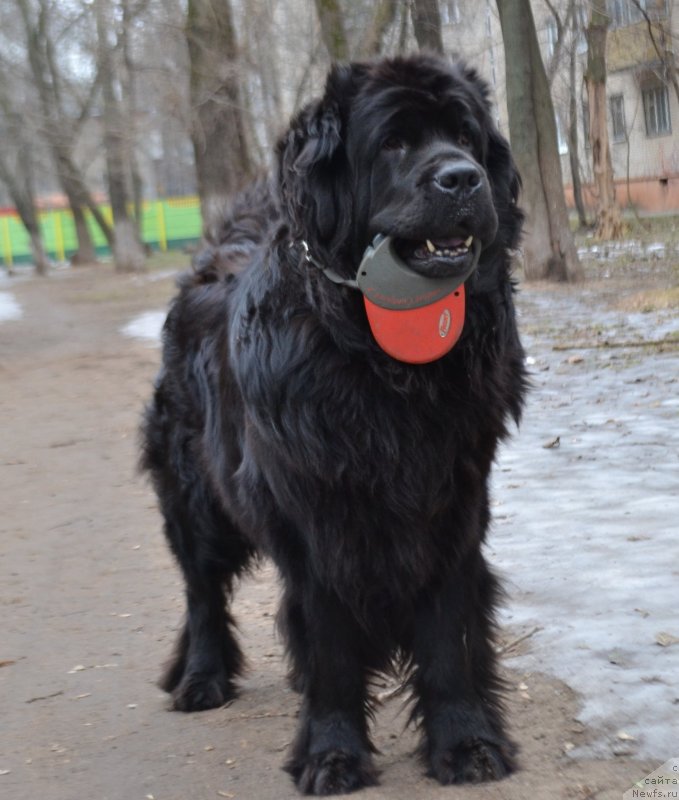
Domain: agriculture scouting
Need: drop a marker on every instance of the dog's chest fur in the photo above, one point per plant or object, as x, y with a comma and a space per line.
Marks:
334, 442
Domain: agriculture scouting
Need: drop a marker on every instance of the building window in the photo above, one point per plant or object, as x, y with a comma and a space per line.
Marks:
617, 105
657, 110
625, 12
450, 12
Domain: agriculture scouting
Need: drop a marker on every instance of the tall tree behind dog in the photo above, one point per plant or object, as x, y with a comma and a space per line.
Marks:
548, 241
218, 132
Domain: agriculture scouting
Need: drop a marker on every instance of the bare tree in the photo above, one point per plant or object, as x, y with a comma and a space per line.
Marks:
155, 95
562, 28
222, 154
60, 125
17, 169
427, 24
548, 243
609, 222
19, 183
130, 12
384, 17
662, 41
573, 136
128, 252
333, 29
564, 46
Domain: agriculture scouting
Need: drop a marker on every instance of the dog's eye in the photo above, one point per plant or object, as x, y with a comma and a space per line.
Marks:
393, 143
464, 139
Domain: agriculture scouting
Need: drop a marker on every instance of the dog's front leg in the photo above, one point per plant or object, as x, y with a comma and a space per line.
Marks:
332, 750
455, 680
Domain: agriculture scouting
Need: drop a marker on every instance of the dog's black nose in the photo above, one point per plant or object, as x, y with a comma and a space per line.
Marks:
459, 177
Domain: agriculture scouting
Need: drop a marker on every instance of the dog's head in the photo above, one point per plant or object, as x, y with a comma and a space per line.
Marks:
406, 148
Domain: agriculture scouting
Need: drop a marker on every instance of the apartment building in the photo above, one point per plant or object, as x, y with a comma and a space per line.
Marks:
642, 86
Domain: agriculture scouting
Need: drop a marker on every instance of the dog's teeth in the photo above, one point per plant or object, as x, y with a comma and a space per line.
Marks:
438, 252
430, 246
468, 242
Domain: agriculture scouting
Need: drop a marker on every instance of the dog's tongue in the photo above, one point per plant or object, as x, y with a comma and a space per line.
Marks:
448, 244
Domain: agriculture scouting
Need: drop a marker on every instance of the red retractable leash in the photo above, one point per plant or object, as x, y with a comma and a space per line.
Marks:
414, 318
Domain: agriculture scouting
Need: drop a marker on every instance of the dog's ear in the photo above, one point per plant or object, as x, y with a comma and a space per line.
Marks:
313, 171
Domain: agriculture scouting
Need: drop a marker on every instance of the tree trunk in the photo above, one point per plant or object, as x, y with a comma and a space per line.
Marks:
562, 26
573, 143
85, 254
332, 29
427, 25
222, 155
128, 251
129, 93
75, 194
25, 206
55, 124
403, 27
73, 186
40, 259
19, 184
383, 19
609, 223
548, 242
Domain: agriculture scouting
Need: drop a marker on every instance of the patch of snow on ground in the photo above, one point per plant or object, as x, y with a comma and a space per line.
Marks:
627, 247
9, 308
146, 327
586, 532
153, 277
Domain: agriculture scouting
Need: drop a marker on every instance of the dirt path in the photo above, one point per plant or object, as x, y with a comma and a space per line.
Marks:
91, 600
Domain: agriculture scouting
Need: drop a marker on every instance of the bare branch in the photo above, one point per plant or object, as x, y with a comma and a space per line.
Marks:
427, 24
383, 18
667, 62
562, 27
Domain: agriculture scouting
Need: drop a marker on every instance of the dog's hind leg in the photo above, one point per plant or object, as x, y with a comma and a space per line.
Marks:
211, 552
455, 682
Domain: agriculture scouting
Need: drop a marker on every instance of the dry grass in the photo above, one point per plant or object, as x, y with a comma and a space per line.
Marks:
651, 300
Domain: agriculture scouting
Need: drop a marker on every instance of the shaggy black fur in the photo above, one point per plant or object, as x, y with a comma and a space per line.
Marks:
278, 426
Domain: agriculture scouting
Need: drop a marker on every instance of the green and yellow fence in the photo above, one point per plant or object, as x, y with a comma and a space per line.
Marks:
166, 224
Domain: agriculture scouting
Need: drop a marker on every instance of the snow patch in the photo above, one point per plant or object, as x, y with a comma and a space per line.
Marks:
586, 531
9, 308
630, 248
146, 327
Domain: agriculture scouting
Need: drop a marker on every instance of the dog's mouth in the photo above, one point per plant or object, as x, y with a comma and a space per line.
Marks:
439, 257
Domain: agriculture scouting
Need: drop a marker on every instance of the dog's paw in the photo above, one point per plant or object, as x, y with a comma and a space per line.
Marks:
333, 772
199, 691
473, 761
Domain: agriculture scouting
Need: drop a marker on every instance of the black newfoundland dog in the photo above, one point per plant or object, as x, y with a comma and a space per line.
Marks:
280, 426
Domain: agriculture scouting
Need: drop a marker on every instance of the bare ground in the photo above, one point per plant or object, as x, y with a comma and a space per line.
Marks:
91, 599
